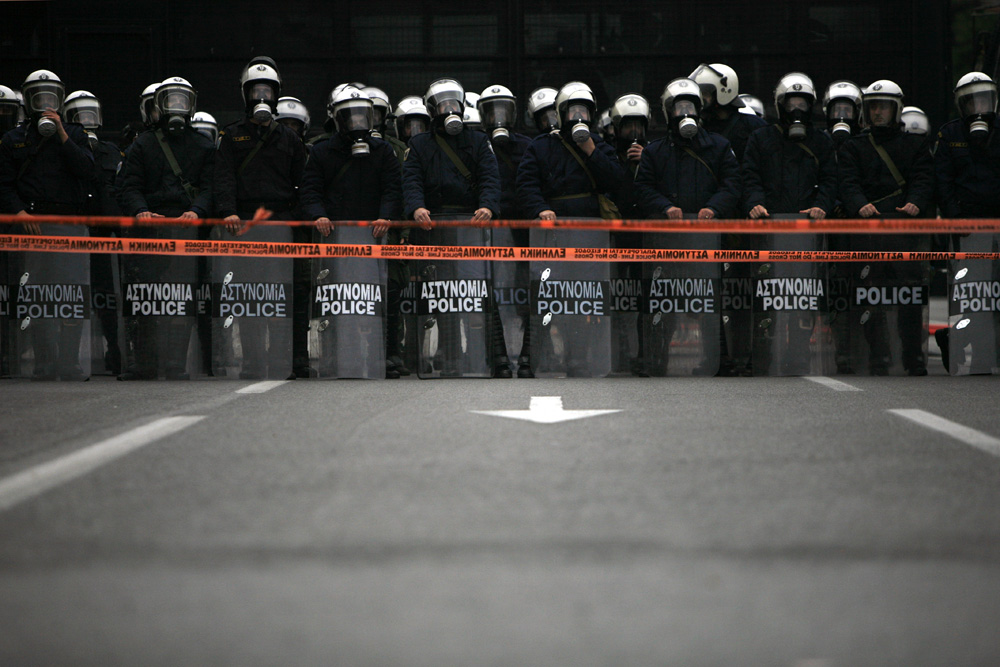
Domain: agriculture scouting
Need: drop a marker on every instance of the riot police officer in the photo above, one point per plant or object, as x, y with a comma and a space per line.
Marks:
411, 118
842, 110
205, 123
720, 112
541, 110
915, 121
292, 113
886, 172
46, 167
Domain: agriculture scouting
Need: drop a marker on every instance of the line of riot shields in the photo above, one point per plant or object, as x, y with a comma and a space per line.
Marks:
235, 317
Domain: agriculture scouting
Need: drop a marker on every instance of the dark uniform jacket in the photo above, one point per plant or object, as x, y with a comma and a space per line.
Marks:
108, 160
551, 179
737, 129
341, 187
271, 177
149, 184
968, 176
45, 174
432, 181
783, 177
508, 159
669, 176
865, 178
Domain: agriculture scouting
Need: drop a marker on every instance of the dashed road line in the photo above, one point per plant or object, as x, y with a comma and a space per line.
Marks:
261, 387
969, 436
830, 383
46, 476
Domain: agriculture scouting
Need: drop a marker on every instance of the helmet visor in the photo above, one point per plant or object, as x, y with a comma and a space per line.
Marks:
44, 96
796, 103
632, 129
176, 100
979, 102
413, 125
355, 118
8, 116
841, 109
87, 114
880, 112
684, 108
261, 90
577, 112
498, 113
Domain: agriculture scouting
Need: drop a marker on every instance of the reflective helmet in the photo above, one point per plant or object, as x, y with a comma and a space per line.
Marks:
915, 121
261, 86
681, 102
794, 97
751, 104
575, 95
9, 110
42, 90
204, 122
629, 116
882, 90
541, 109
147, 105
445, 102
497, 110
411, 117
175, 100
354, 117
976, 99
381, 104
717, 82
842, 106
293, 113
84, 108
472, 100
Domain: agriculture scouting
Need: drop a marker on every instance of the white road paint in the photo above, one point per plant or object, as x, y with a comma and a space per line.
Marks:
41, 478
545, 410
830, 383
969, 436
261, 387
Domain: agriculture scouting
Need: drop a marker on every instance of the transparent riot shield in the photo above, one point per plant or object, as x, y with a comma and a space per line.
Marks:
570, 308
682, 309
737, 309
626, 298
49, 324
974, 308
510, 293
160, 296
791, 334
252, 310
348, 306
889, 308
105, 329
455, 308
839, 296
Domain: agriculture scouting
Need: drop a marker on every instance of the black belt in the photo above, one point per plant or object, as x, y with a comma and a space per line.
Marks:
53, 208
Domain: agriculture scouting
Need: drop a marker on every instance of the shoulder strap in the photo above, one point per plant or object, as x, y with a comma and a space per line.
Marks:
811, 154
593, 183
687, 149
462, 169
900, 181
189, 190
260, 142
342, 171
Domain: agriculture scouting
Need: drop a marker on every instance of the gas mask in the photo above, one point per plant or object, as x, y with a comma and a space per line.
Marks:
577, 117
685, 119
978, 113
632, 131
841, 120
498, 117
41, 101
93, 140
795, 112
355, 123
46, 127
262, 98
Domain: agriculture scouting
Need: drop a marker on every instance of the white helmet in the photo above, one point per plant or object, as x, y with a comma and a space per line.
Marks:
472, 119
42, 90
842, 108
10, 109
84, 108
354, 117
541, 109
411, 117
685, 121
21, 114
575, 92
629, 105
381, 104
794, 97
604, 120
975, 94
291, 108
718, 80
472, 100
497, 108
261, 87
915, 121
882, 90
176, 101
794, 83
147, 104
204, 122
445, 101
752, 105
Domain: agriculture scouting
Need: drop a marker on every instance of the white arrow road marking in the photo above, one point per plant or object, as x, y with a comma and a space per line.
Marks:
545, 410
969, 436
41, 478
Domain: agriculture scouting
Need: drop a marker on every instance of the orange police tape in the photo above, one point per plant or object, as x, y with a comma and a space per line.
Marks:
741, 226
70, 244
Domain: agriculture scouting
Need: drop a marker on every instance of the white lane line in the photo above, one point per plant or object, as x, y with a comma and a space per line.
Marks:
830, 383
261, 387
41, 478
969, 436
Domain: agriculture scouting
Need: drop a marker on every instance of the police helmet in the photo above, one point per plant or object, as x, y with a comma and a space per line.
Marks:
176, 97
915, 121
353, 112
444, 97
84, 108
411, 117
717, 81
291, 111
882, 90
751, 104
9, 110
497, 107
147, 104
42, 90
575, 94
204, 122
260, 84
975, 94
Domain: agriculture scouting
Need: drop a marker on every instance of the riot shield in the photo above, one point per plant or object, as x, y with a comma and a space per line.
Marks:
974, 308
737, 309
510, 293
570, 308
348, 305
455, 308
49, 324
105, 288
682, 309
160, 295
887, 321
791, 334
252, 310
626, 306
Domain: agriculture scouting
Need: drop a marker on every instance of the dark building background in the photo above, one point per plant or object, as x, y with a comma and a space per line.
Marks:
115, 49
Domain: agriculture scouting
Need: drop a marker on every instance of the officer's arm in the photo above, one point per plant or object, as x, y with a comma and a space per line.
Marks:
391, 204
413, 183
528, 184
651, 202
489, 179
225, 177
944, 171
202, 204
9, 201
726, 200
76, 154
133, 181
852, 195
752, 168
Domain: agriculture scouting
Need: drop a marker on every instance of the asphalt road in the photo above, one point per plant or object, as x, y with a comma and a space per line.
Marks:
721, 521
